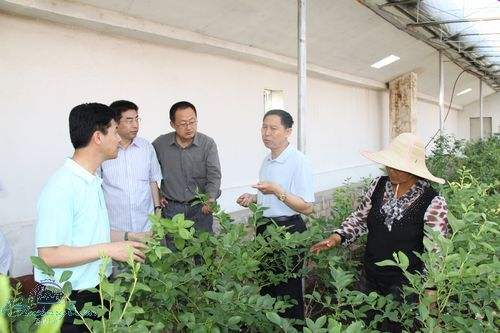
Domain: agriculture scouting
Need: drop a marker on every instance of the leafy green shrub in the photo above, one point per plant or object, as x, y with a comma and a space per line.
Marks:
211, 283
481, 157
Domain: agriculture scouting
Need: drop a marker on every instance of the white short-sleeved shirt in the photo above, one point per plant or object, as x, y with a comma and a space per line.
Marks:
126, 185
293, 172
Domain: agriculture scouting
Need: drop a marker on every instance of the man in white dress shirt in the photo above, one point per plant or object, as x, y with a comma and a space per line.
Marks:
286, 188
130, 181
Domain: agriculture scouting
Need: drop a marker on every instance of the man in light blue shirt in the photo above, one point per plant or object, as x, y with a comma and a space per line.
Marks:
72, 231
130, 180
286, 188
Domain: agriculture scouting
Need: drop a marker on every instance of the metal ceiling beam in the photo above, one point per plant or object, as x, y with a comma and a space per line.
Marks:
408, 2
477, 34
430, 23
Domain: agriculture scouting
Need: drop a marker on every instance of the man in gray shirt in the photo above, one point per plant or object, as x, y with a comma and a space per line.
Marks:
189, 163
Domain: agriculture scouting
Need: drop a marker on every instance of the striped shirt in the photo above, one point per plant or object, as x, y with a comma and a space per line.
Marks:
126, 185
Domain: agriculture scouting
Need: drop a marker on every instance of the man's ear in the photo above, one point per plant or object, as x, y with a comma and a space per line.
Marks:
97, 137
288, 131
172, 125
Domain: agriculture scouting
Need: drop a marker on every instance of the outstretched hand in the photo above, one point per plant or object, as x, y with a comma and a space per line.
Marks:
245, 199
326, 244
268, 187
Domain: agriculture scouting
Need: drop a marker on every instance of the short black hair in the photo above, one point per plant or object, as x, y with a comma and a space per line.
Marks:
86, 119
121, 106
286, 118
180, 106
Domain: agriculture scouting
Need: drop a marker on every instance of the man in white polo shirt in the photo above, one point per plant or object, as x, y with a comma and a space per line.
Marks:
286, 188
72, 230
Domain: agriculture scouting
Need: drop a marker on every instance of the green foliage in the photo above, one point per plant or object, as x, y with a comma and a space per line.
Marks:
202, 282
481, 157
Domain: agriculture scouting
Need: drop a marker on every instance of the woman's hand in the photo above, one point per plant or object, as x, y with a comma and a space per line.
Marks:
326, 244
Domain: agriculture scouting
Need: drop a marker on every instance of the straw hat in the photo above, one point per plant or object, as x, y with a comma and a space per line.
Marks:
406, 153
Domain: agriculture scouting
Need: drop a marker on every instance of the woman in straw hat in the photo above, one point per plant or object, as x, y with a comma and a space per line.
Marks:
393, 214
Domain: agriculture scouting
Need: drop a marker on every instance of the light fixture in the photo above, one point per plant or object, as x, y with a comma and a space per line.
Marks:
386, 61
464, 91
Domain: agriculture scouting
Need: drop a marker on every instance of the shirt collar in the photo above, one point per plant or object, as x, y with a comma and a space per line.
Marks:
283, 156
78, 170
196, 140
135, 142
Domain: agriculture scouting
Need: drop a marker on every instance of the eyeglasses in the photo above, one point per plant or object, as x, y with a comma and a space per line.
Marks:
132, 120
192, 123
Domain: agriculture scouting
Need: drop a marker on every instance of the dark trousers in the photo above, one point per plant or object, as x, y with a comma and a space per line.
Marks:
78, 300
293, 286
201, 221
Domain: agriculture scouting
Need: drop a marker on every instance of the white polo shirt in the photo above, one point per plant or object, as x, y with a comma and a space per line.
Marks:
293, 172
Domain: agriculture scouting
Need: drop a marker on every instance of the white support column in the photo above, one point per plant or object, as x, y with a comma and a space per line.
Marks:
441, 93
302, 76
481, 128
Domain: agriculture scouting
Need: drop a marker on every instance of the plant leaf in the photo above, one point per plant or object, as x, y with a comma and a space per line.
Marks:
39, 264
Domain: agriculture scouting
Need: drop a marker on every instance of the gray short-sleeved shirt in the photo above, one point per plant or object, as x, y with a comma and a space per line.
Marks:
187, 169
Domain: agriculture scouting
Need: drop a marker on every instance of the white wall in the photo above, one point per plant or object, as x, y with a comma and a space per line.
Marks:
428, 120
46, 69
491, 108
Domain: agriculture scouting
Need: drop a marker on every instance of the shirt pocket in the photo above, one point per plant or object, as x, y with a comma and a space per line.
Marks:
140, 171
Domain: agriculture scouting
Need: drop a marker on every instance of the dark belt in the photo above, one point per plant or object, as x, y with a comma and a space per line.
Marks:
284, 218
181, 202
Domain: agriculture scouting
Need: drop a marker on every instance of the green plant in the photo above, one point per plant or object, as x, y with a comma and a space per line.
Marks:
211, 283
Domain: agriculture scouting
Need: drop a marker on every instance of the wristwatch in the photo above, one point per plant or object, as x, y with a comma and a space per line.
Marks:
282, 197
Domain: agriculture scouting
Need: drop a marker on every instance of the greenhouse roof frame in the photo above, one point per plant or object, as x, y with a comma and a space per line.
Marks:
442, 27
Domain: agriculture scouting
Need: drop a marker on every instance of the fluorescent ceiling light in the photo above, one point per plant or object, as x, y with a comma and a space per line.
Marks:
464, 91
386, 61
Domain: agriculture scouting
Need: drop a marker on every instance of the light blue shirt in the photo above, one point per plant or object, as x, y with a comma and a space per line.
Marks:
126, 186
293, 172
72, 212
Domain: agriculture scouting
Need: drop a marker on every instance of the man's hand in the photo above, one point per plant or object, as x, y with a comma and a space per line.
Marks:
246, 199
139, 236
328, 243
120, 251
206, 209
163, 202
268, 188
157, 211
